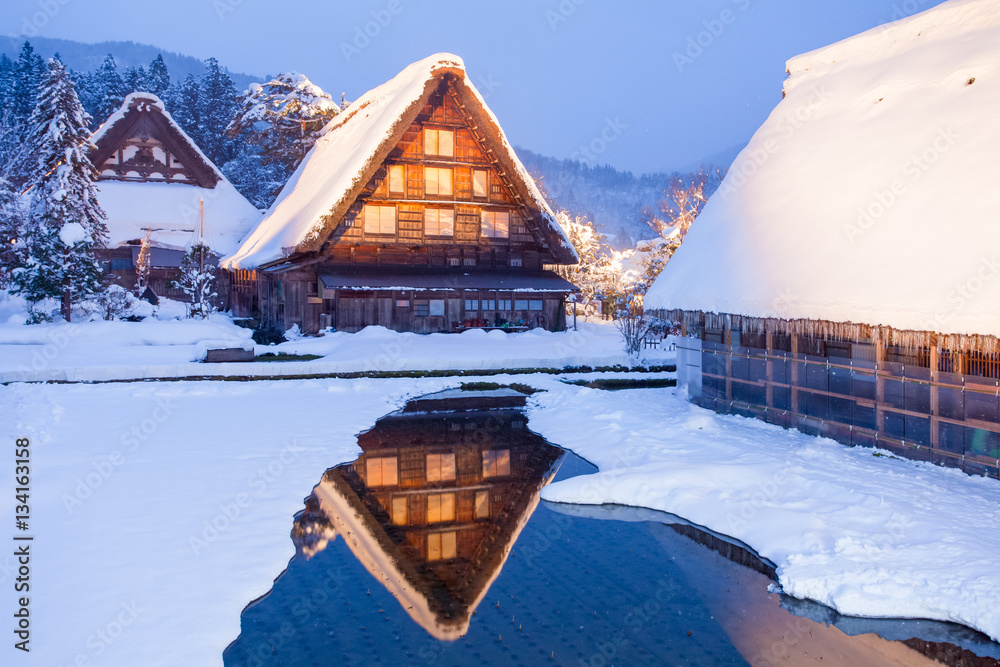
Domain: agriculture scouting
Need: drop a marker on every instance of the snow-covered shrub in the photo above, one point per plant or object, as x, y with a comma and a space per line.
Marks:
267, 334
293, 333
114, 303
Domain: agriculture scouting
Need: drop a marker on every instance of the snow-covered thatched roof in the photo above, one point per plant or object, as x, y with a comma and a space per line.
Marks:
169, 209
354, 145
870, 194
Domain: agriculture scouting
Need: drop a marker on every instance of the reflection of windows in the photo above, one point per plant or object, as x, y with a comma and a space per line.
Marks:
472, 304
437, 307
504, 304
440, 507
439, 142
399, 511
437, 181
520, 304
535, 304
489, 304
397, 178
441, 546
380, 219
482, 504
439, 222
479, 183
382, 471
496, 224
440, 467
496, 463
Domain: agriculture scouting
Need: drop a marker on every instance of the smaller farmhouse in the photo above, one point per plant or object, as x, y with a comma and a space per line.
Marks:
411, 212
154, 179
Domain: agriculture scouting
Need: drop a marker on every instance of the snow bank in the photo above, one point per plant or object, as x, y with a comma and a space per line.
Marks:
95, 351
868, 536
869, 194
169, 505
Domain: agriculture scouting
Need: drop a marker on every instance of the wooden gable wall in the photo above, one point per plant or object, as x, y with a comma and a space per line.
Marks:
410, 242
144, 147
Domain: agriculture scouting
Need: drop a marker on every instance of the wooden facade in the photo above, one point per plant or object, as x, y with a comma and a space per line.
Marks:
921, 395
439, 238
434, 505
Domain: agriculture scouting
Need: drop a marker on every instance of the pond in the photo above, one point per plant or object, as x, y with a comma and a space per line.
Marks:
433, 548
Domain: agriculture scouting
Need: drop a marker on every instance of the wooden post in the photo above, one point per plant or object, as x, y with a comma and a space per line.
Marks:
768, 372
879, 385
728, 338
935, 412
794, 381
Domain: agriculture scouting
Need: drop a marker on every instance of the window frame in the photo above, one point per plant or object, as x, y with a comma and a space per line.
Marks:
488, 226
382, 209
436, 133
401, 171
437, 181
437, 214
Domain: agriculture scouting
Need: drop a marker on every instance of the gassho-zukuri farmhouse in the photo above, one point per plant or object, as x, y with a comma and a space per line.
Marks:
845, 278
411, 212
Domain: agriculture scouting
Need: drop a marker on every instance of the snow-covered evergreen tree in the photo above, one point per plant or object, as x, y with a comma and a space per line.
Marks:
183, 104
197, 279
134, 79
28, 74
108, 89
157, 77
217, 106
66, 222
12, 216
255, 180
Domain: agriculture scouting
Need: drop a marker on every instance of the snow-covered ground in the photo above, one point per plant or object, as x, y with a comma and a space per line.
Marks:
170, 348
160, 510
859, 530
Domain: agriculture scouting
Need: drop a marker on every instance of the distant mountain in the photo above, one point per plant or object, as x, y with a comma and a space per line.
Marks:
87, 57
613, 199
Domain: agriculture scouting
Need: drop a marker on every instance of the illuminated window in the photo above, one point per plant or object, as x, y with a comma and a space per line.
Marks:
482, 504
437, 181
382, 471
399, 511
442, 546
380, 219
439, 222
402, 303
397, 178
440, 467
440, 507
439, 142
496, 224
496, 463
480, 182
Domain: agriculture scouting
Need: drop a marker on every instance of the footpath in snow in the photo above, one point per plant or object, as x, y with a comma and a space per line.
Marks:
858, 530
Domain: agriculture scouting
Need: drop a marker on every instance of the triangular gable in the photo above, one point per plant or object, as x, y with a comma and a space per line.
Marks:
142, 142
357, 142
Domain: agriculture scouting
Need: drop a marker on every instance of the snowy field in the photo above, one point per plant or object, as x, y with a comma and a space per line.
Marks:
161, 510
153, 348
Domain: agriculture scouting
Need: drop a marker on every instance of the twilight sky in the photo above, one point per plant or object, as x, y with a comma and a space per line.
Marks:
669, 82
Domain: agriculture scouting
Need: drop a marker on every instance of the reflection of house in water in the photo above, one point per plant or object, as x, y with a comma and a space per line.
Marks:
434, 505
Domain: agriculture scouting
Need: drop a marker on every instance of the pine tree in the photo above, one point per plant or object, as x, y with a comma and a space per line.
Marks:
276, 125
108, 89
12, 230
66, 222
6, 82
183, 104
217, 107
134, 80
197, 279
157, 77
28, 74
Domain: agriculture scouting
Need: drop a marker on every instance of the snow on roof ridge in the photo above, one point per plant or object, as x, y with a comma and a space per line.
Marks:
331, 174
